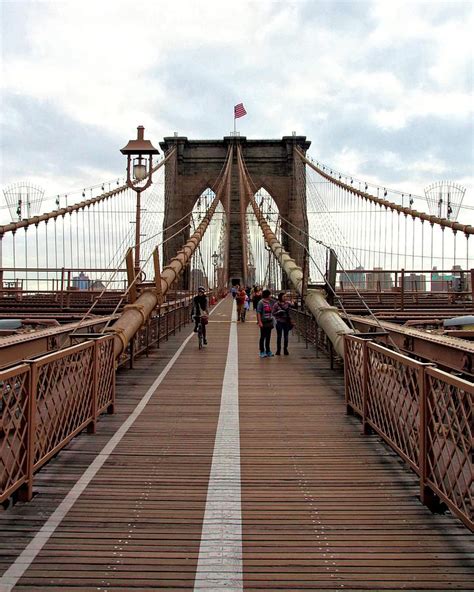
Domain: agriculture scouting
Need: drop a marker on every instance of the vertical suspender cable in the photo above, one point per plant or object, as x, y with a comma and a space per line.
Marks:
14, 256
26, 257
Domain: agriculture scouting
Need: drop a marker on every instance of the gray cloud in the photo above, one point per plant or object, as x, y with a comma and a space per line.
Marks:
350, 17
41, 135
304, 66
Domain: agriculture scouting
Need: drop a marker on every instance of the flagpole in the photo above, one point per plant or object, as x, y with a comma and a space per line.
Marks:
234, 121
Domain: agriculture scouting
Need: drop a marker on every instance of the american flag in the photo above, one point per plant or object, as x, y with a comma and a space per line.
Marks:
239, 111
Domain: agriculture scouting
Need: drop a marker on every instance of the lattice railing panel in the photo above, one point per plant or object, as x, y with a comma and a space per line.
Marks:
63, 396
393, 400
140, 341
305, 324
13, 428
105, 373
449, 438
154, 329
354, 372
162, 326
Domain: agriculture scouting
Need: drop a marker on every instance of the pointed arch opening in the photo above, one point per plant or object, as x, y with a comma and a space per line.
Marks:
208, 260
263, 268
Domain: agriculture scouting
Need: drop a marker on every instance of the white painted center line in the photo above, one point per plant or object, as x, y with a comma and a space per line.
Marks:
28, 555
220, 553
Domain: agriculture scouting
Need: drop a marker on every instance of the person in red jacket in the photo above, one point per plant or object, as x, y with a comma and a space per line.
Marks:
240, 301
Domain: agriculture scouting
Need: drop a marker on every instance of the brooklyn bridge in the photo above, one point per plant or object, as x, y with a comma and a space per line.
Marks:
132, 459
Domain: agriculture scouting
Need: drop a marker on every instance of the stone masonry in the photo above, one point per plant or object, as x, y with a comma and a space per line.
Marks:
271, 165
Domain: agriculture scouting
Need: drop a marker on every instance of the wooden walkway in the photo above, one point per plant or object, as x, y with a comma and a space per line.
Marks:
304, 501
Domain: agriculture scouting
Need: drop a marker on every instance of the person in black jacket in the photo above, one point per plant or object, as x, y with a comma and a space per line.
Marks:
200, 310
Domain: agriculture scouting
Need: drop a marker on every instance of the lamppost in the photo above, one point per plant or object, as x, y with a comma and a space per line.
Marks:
215, 258
139, 169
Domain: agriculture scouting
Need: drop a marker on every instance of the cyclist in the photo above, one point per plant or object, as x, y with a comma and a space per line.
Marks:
200, 310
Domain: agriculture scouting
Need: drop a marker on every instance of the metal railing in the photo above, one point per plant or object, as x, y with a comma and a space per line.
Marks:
170, 317
424, 414
307, 327
44, 402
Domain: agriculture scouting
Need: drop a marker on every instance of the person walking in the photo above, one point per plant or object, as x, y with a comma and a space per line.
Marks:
265, 322
245, 307
200, 311
281, 313
240, 301
233, 291
256, 296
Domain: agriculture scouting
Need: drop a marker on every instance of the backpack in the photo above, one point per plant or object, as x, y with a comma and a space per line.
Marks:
282, 315
267, 317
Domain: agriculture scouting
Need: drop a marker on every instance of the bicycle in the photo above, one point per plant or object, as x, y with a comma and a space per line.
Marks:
200, 335
200, 332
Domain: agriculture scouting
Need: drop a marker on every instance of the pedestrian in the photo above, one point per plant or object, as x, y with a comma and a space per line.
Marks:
265, 322
240, 301
200, 312
245, 308
233, 291
256, 296
283, 322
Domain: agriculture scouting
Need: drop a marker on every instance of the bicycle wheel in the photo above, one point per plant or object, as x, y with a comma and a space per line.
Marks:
200, 340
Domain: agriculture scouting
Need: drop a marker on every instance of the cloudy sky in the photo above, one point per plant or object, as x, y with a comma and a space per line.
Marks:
383, 89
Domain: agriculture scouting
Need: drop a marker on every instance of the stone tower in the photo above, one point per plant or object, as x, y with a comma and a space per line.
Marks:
271, 164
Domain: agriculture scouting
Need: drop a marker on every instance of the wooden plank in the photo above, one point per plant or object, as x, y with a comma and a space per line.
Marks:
323, 506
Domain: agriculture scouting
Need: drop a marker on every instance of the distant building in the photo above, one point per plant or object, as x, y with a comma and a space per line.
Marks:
353, 279
81, 281
382, 280
460, 281
440, 282
415, 282
97, 285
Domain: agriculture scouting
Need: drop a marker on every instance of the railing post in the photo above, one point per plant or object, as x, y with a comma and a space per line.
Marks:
132, 284
365, 386
346, 375
131, 346
111, 406
25, 493
423, 394
62, 287
427, 496
472, 288
402, 289
306, 330
91, 428
147, 336
158, 335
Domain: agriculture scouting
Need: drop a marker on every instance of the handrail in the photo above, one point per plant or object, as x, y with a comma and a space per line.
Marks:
68, 388
423, 413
